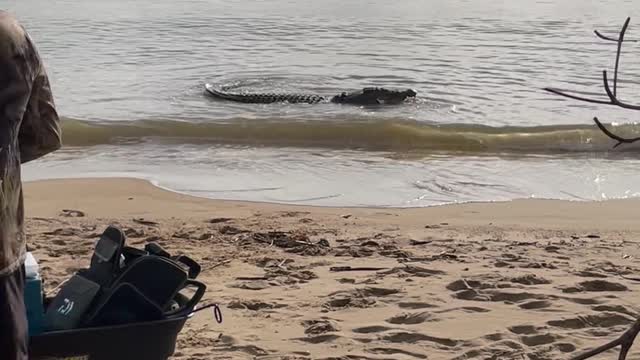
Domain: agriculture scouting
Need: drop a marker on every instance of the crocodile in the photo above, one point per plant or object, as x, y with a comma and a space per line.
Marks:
366, 96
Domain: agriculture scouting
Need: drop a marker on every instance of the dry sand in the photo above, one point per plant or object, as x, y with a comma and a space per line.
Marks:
529, 279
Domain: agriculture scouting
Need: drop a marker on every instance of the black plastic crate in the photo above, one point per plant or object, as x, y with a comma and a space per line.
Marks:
154, 340
132, 336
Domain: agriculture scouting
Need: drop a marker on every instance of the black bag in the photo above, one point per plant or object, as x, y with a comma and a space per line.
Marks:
137, 305
125, 284
156, 281
130, 254
70, 304
125, 304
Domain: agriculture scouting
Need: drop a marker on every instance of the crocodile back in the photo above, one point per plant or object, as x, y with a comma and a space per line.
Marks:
265, 98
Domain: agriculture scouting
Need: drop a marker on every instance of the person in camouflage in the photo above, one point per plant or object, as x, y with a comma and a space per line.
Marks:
29, 129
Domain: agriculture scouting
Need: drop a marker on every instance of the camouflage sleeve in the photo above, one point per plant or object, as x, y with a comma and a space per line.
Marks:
16, 81
40, 131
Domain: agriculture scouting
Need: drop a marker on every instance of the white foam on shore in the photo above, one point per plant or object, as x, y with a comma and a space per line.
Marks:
338, 178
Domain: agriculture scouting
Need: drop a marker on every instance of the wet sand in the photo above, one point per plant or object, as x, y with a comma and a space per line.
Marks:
529, 279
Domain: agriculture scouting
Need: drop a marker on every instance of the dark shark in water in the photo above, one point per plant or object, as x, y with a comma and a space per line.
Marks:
367, 96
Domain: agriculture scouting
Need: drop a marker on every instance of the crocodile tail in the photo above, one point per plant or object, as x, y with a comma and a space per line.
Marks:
265, 98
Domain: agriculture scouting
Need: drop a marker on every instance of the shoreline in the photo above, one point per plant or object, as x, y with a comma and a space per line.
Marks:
348, 179
524, 279
614, 213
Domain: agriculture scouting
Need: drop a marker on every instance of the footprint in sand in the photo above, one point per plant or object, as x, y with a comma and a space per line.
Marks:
596, 286
134, 233
346, 281
413, 271
489, 287
253, 305
466, 309
529, 279
492, 281
412, 318
251, 285
290, 277
536, 305
293, 213
466, 284
601, 320
507, 349
358, 298
347, 300
392, 351
535, 336
61, 242
353, 251
319, 339
565, 347
64, 232
524, 329
268, 262
514, 350
539, 339
590, 273
371, 329
494, 337
247, 349
497, 296
617, 309
582, 301
374, 291
317, 327
414, 337
416, 305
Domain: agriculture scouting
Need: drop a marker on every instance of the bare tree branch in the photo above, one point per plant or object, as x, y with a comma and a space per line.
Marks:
603, 37
566, 93
620, 40
620, 139
625, 341
608, 38
612, 94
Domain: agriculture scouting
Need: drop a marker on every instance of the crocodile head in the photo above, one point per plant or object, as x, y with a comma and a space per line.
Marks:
374, 95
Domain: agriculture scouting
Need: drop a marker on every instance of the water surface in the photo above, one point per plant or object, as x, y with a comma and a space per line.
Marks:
129, 78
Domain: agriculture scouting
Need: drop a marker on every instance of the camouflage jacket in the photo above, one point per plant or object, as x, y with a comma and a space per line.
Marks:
29, 129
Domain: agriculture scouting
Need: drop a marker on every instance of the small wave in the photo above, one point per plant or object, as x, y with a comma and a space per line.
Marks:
366, 134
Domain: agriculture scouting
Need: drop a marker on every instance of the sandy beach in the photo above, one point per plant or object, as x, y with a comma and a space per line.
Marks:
529, 279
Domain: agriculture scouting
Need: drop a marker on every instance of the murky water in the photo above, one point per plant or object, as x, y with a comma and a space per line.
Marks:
129, 80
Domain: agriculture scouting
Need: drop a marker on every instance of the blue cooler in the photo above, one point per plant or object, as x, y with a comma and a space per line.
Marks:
33, 296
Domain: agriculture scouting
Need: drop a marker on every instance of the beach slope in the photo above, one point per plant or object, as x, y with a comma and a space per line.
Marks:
532, 279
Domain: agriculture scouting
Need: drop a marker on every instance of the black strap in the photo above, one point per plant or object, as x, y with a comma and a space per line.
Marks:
105, 262
187, 308
156, 249
192, 266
